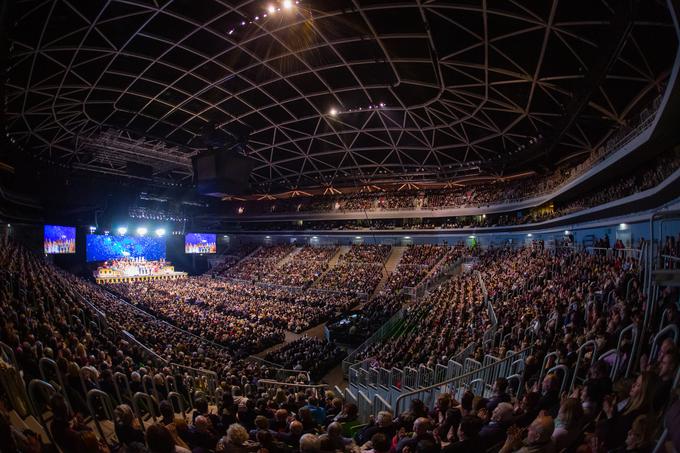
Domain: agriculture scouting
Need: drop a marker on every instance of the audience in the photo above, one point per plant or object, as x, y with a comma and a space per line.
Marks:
549, 299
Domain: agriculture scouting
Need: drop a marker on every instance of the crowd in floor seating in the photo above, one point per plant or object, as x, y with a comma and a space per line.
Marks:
234, 314
308, 353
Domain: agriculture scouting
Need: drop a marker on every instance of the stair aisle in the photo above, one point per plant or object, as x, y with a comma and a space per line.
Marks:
389, 267
332, 263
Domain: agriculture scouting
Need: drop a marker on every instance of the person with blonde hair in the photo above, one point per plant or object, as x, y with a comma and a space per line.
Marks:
640, 435
568, 423
613, 429
126, 426
234, 441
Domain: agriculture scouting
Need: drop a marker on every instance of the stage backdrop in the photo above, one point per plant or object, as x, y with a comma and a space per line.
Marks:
200, 243
106, 247
59, 239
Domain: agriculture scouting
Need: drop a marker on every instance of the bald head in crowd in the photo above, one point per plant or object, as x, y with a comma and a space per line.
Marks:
309, 443
540, 431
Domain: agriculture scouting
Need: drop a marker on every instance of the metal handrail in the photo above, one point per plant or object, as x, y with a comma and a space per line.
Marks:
48, 390
106, 406
137, 399
208, 378
144, 347
174, 396
313, 387
545, 363
81, 373
45, 362
660, 335
377, 336
8, 353
581, 351
457, 379
364, 406
565, 375
117, 377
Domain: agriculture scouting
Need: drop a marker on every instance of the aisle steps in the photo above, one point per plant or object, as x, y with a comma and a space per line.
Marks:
332, 263
389, 267
289, 257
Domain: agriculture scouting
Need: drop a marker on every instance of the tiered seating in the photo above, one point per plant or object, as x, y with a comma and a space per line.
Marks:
260, 264
449, 315
417, 262
359, 270
233, 255
303, 268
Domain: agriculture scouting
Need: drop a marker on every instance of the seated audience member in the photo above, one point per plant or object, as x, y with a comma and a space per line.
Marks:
279, 423
382, 424
202, 435
550, 395
568, 424
493, 432
468, 436
266, 441
172, 424
127, 431
613, 429
261, 424
538, 437
499, 394
379, 443
640, 437
159, 440
666, 371
234, 441
201, 405
416, 410
438, 414
292, 437
527, 410
309, 443
66, 429
318, 413
333, 440
447, 430
421, 432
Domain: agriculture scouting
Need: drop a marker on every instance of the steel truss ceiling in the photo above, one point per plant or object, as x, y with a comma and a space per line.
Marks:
453, 84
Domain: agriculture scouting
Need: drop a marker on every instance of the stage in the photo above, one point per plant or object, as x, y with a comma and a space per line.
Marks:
127, 270
139, 278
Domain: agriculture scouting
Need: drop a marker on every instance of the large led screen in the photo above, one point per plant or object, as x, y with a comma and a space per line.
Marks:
59, 239
200, 243
103, 247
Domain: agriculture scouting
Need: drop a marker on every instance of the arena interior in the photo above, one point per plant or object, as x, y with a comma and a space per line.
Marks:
315, 226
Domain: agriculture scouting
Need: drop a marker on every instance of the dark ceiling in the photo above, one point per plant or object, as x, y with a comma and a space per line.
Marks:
420, 90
